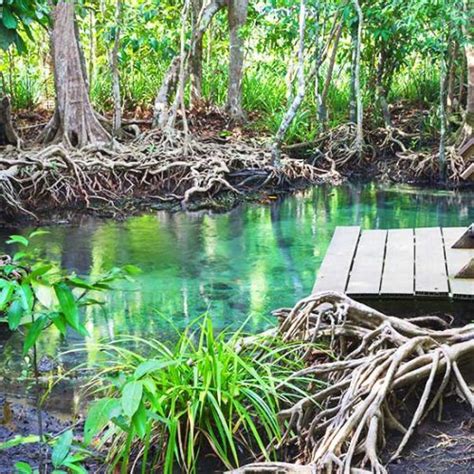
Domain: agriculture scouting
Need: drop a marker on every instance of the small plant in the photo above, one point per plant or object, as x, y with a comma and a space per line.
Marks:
36, 294
162, 407
65, 457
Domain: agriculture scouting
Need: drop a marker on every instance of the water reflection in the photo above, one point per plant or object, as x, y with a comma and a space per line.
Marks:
243, 263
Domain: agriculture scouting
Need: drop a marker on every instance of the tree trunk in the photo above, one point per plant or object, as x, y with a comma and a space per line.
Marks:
442, 116
359, 141
163, 98
291, 112
451, 104
468, 126
117, 120
8, 135
74, 122
353, 99
237, 16
381, 92
196, 57
332, 61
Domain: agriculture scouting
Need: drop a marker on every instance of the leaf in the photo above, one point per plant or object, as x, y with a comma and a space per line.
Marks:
26, 296
62, 448
38, 232
153, 365
59, 321
17, 440
41, 270
139, 421
131, 270
9, 20
99, 415
14, 314
131, 397
33, 333
5, 295
23, 468
68, 305
18, 239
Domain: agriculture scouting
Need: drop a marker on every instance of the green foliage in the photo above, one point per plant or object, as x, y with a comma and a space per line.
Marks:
36, 293
16, 19
201, 395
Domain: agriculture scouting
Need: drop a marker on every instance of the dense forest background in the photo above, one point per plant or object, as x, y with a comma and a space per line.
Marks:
334, 82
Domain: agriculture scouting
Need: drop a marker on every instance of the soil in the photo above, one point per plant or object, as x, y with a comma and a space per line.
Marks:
439, 446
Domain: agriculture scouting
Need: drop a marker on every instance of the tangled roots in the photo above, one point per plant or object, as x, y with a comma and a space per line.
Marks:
426, 164
378, 359
168, 166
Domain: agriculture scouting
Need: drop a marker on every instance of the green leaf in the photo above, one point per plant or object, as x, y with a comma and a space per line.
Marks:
26, 296
68, 306
33, 333
41, 270
18, 239
99, 415
17, 440
23, 468
38, 232
59, 321
139, 421
9, 20
153, 365
14, 314
131, 397
6, 294
62, 448
131, 270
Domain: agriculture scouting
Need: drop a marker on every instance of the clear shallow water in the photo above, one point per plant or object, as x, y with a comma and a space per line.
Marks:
235, 265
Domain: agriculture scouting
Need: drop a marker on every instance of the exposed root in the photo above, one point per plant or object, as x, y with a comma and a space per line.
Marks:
162, 165
378, 361
426, 164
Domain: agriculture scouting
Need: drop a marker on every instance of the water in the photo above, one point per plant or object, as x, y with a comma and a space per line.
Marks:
241, 264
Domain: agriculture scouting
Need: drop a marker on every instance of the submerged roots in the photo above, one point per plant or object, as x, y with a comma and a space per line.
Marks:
168, 166
378, 361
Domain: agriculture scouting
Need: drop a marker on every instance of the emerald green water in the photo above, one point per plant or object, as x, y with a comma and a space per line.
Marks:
235, 265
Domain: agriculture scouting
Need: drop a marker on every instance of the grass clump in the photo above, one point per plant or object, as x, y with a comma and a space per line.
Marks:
162, 407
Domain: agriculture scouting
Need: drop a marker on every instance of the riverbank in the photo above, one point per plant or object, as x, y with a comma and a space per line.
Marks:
176, 172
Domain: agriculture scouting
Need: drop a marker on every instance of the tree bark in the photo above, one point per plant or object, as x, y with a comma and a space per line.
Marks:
442, 115
163, 98
468, 126
237, 16
196, 57
117, 120
332, 61
359, 141
74, 122
8, 134
291, 112
381, 91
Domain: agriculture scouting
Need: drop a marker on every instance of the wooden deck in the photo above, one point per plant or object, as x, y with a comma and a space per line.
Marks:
396, 263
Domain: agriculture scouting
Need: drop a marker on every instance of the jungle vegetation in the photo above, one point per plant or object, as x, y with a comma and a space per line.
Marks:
336, 83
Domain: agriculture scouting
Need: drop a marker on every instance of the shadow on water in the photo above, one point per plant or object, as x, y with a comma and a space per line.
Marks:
240, 264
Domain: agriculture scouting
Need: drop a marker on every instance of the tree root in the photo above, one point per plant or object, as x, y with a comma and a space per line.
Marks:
426, 164
169, 166
378, 360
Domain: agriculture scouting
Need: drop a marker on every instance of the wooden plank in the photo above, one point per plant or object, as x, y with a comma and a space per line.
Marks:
334, 271
430, 264
457, 259
366, 273
399, 268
